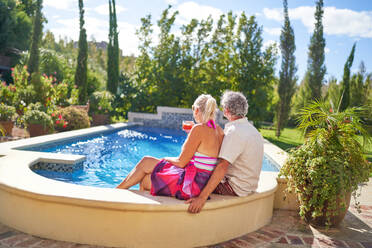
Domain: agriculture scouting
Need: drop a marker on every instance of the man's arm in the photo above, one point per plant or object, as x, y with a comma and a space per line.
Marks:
197, 203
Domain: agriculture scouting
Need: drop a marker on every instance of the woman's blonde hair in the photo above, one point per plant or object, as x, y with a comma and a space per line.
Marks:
207, 105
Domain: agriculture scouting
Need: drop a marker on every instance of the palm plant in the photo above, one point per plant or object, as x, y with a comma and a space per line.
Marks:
330, 164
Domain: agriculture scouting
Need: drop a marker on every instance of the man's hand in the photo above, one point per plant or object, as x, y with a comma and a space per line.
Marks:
196, 204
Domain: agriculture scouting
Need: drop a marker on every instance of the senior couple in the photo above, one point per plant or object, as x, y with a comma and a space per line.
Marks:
212, 160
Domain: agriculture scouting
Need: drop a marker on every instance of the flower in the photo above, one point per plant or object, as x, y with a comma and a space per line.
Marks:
25, 67
53, 114
12, 68
64, 125
58, 121
60, 116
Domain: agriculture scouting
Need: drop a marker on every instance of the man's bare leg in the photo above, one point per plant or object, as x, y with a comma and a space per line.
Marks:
143, 168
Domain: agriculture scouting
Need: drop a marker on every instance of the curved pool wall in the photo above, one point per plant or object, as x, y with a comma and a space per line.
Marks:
119, 218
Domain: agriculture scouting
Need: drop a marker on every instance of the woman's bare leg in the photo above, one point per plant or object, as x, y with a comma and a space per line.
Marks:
145, 184
143, 168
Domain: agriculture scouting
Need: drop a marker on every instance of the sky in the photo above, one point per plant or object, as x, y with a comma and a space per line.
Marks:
345, 22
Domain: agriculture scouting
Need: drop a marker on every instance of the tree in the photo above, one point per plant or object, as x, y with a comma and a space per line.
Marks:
81, 65
254, 68
359, 87
177, 69
37, 30
143, 74
345, 85
15, 27
316, 68
287, 78
222, 61
113, 51
333, 95
167, 55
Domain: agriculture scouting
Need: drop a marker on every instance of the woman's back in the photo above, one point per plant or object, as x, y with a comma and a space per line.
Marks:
211, 137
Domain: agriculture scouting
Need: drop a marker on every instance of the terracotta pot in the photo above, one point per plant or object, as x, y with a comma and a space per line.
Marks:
340, 213
7, 126
100, 119
37, 130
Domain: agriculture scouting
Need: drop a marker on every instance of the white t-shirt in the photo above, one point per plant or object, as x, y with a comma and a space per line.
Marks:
242, 147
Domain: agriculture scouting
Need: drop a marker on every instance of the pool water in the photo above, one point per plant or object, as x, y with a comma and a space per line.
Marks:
112, 155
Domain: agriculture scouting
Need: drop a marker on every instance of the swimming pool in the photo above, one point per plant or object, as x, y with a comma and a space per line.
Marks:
111, 156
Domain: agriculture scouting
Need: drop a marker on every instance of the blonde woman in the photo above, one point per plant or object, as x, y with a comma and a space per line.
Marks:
184, 176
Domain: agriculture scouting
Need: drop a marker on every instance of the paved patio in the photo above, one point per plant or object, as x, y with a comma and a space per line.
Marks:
285, 230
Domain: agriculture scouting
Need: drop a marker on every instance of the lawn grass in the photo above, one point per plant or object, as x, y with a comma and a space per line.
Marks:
292, 137
289, 138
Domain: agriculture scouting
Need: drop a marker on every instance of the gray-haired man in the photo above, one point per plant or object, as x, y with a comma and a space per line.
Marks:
240, 155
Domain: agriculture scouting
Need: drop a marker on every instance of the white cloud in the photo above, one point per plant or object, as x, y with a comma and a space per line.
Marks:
98, 28
273, 31
171, 2
60, 4
349, 22
192, 10
128, 41
327, 50
273, 14
336, 21
269, 43
104, 9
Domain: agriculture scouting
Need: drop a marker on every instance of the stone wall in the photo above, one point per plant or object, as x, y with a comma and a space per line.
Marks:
168, 117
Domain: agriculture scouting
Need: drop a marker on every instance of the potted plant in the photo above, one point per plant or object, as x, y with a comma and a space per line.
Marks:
329, 166
7, 115
37, 122
100, 105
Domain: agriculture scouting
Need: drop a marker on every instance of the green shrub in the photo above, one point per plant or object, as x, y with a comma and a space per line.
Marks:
75, 118
36, 106
61, 94
32, 116
51, 64
101, 102
7, 93
7, 113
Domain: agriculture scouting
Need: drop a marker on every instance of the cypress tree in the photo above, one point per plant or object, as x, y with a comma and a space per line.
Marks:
315, 63
345, 85
287, 80
81, 65
109, 51
116, 50
113, 51
37, 30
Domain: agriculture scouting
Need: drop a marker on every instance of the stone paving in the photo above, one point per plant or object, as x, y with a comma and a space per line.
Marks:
285, 230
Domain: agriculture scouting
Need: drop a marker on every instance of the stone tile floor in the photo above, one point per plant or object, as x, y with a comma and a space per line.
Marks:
285, 230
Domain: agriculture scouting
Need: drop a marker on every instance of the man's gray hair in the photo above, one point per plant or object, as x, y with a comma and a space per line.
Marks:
235, 103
